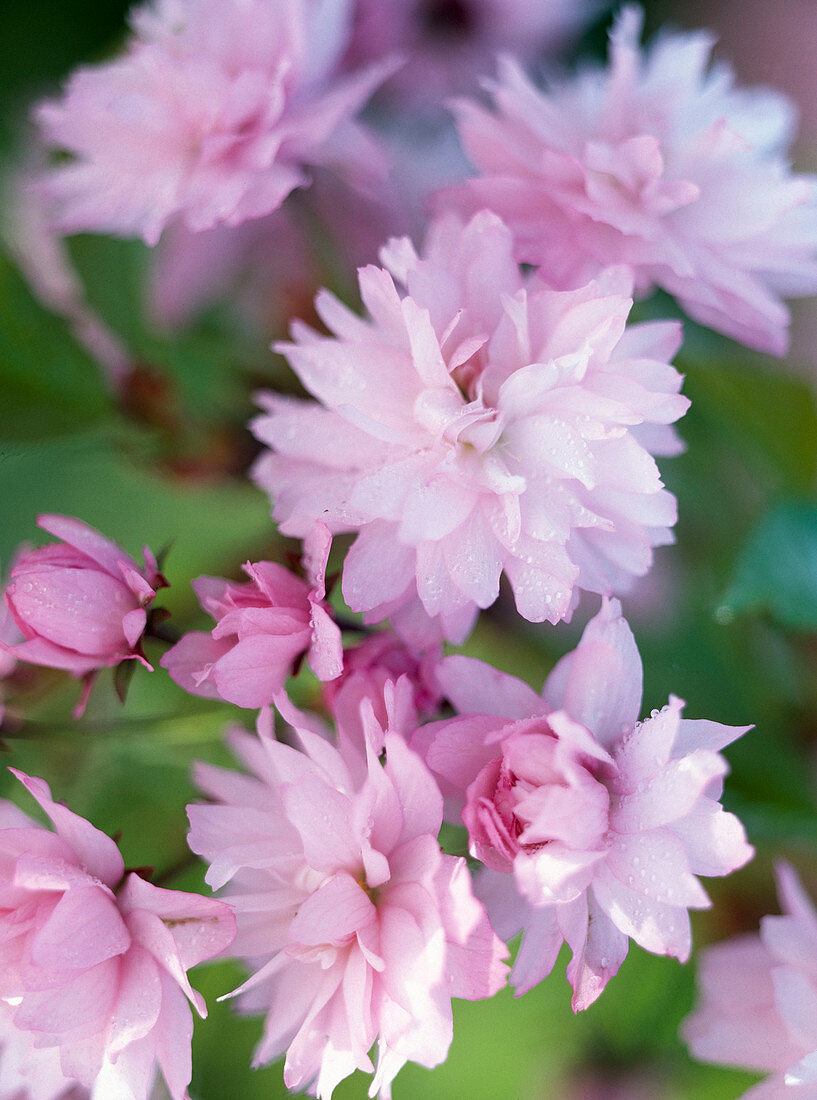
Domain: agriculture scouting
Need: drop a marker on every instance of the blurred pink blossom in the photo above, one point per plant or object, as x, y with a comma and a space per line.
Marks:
758, 999
93, 958
357, 928
262, 627
80, 604
448, 44
212, 115
593, 825
658, 162
476, 425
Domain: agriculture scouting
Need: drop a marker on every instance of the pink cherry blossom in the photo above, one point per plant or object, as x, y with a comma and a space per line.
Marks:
80, 604
479, 424
93, 958
593, 825
658, 162
213, 115
448, 44
356, 927
262, 627
758, 999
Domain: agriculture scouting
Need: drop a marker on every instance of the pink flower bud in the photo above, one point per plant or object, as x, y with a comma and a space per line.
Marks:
81, 604
263, 626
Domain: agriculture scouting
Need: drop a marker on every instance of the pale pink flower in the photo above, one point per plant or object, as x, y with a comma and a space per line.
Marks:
93, 958
357, 928
80, 604
476, 425
262, 627
658, 162
593, 825
448, 44
758, 999
213, 115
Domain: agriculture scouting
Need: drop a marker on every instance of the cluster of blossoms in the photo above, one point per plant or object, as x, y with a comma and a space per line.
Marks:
492, 412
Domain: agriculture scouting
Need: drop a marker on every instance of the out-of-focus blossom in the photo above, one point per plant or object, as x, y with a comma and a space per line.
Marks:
758, 999
658, 162
213, 115
93, 958
81, 604
449, 44
270, 268
262, 627
476, 425
357, 928
593, 825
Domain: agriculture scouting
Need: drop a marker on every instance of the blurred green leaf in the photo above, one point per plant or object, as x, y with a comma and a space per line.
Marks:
50, 385
208, 361
776, 570
769, 418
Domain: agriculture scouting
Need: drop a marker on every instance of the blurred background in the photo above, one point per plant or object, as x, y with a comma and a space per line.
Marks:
126, 406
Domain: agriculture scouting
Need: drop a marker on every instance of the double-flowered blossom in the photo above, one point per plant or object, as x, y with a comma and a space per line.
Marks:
262, 627
758, 999
212, 115
358, 929
93, 959
81, 604
593, 825
477, 424
658, 162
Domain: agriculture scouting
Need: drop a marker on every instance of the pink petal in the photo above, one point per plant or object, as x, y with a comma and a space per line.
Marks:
599, 684
97, 852
333, 912
254, 669
84, 929
88, 541
474, 687
598, 959
139, 1000
663, 929
201, 927
325, 654
190, 660
80, 1005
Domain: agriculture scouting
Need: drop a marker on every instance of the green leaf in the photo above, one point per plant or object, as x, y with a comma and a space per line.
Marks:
50, 384
776, 570
769, 418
